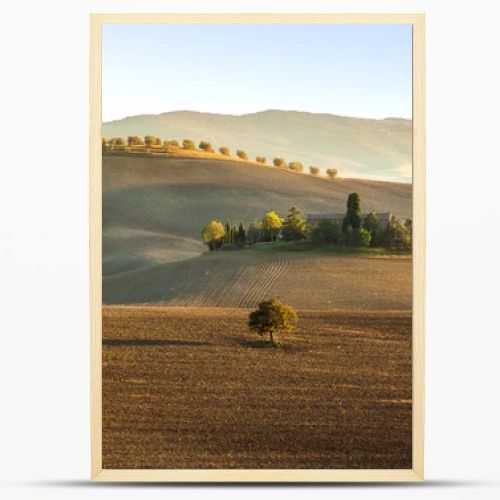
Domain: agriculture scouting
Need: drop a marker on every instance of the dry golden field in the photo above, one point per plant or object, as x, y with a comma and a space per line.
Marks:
190, 388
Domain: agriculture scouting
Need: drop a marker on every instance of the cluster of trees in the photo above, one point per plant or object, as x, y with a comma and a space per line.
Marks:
267, 229
354, 231
152, 141
367, 231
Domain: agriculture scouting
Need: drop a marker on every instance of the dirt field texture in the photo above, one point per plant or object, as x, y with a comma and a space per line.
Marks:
308, 280
191, 388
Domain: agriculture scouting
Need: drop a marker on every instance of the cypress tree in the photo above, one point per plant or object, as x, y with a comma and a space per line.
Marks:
227, 235
241, 237
353, 215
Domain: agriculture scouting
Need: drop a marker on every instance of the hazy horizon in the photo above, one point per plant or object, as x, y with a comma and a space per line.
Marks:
255, 113
359, 71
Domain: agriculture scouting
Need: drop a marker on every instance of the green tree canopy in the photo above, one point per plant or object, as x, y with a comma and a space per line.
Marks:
188, 144
398, 233
241, 237
314, 170
224, 151
326, 232
272, 317
372, 224
253, 232
294, 227
260, 159
242, 154
353, 215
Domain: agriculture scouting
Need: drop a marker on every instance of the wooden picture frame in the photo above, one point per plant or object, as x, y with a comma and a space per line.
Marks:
259, 475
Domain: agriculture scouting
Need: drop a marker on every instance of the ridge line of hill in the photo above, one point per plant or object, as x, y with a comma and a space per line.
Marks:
203, 156
356, 147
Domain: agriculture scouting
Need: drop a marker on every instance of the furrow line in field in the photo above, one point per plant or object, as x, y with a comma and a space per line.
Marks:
268, 274
253, 278
259, 284
271, 273
229, 297
224, 278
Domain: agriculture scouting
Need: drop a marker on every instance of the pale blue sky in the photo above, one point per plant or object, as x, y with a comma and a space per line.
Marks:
354, 70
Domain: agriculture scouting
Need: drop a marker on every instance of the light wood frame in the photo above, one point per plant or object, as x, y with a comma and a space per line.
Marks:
258, 475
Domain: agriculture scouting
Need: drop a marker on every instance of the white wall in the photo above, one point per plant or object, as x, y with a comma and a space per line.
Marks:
44, 431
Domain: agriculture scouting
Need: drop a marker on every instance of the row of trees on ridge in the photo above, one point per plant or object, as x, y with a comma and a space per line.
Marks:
154, 142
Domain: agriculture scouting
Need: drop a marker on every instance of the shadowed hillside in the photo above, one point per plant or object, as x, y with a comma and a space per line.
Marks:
154, 208
356, 146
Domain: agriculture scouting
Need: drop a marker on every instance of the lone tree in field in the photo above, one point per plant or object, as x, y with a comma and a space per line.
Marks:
171, 144
213, 234
242, 154
224, 151
314, 170
272, 222
332, 173
260, 159
272, 317
294, 227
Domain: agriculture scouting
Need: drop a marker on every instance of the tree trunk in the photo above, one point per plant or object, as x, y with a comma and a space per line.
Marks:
271, 338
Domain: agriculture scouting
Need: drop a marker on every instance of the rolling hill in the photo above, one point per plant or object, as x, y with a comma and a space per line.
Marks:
155, 207
356, 146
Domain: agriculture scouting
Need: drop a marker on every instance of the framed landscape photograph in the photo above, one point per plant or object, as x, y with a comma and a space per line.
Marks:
257, 247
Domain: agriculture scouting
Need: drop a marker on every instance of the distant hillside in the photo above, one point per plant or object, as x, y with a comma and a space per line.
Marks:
155, 207
357, 147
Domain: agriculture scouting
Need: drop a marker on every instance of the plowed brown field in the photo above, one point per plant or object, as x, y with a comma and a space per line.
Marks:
188, 388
